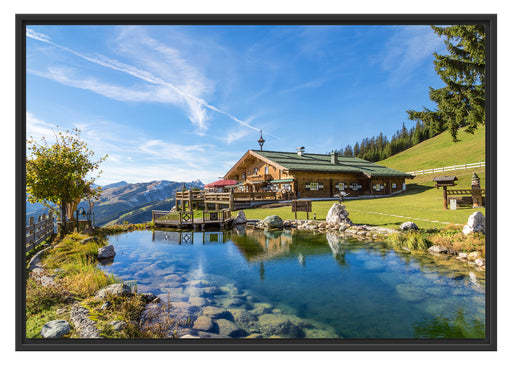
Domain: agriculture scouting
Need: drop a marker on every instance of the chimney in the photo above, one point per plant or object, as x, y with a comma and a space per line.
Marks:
334, 158
300, 151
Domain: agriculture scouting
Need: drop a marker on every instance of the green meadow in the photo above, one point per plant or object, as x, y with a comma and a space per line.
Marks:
422, 203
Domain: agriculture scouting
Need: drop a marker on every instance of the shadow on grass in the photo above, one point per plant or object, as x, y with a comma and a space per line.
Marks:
417, 189
391, 224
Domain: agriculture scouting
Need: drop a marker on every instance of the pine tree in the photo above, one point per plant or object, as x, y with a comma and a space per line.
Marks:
357, 151
461, 103
348, 151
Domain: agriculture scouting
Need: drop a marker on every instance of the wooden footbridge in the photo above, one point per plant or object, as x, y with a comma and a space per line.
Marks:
192, 219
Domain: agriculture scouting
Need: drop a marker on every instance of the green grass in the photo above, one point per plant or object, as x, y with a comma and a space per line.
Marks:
440, 151
421, 200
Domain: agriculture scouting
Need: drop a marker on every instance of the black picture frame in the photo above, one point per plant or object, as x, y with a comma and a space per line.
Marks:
489, 343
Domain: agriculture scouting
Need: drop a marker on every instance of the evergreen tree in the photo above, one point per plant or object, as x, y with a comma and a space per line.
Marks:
348, 151
356, 150
461, 103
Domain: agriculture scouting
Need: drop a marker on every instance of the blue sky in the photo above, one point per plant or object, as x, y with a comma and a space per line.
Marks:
185, 102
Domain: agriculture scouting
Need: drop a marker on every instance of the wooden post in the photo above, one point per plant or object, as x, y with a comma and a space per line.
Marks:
476, 191
31, 230
445, 197
231, 199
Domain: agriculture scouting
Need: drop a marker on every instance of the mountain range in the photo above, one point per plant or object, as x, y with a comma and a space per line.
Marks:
123, 202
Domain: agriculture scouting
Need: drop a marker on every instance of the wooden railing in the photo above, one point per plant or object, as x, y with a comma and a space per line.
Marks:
465, 191
191, 217
217, 197
448, 168
190, 194
255, 196
39, 231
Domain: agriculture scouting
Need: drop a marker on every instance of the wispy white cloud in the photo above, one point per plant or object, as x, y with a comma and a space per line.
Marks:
195, 104
306, 85
37, 128
407, 49
135, 157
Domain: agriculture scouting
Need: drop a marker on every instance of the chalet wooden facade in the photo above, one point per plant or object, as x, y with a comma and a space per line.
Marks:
306, 175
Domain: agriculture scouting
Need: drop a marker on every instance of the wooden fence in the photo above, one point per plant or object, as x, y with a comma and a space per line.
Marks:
39, 231
180, 218
448, 168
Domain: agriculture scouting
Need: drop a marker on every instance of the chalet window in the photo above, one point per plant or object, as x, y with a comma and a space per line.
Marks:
355, 186
287, 187
393, 186
255, 172
314, 186
378, 187
266, 170
340, 186
243, 175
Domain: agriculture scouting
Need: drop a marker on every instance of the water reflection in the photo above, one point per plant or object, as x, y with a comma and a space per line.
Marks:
181, 237
325, 285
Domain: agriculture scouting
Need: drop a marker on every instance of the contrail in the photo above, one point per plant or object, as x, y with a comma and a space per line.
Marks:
140, 74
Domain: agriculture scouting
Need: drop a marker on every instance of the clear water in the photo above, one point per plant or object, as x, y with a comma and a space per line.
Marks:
324, 284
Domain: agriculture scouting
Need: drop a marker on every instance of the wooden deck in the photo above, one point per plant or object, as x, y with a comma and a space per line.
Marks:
189, 199
190, 219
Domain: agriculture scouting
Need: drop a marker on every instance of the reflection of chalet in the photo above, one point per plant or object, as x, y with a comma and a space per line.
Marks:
307, 175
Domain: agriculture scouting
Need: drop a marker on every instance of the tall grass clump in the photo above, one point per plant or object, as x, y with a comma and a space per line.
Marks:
412, 240
76, 262
40, 298
459, 242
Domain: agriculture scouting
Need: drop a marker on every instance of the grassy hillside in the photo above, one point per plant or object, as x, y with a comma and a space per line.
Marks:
440, 151
142, 214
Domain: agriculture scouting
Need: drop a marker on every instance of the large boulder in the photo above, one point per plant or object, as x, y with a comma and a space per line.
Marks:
106, 252
408, 226
114, 289
240, 218
337, 215
55, 329
438, 249
476, 223
273, 221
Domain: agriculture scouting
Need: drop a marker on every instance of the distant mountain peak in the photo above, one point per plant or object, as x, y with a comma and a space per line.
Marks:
115, 185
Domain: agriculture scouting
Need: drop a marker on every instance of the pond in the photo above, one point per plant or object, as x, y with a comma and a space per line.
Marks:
303, 284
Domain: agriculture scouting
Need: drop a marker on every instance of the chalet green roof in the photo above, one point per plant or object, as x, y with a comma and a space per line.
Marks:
317, 162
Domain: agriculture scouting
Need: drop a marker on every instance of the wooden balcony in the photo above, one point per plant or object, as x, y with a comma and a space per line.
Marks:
254, 196
261, 177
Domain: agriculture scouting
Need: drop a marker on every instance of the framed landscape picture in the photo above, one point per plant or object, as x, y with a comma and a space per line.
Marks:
256, 182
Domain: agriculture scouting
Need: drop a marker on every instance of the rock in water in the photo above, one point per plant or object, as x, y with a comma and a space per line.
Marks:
55, 329
476, 223
407, 226
106, 252
337, 215
273, 221
240, 218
